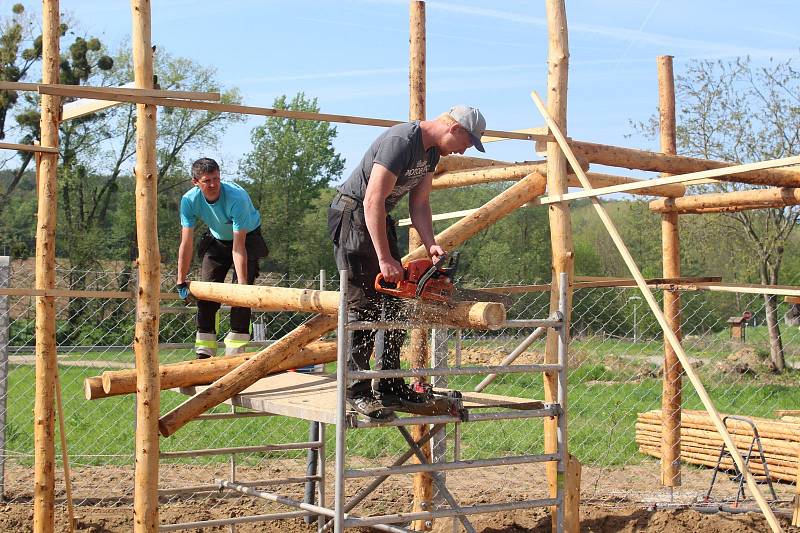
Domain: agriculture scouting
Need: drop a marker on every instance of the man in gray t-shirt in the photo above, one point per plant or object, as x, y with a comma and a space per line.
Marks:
400, 161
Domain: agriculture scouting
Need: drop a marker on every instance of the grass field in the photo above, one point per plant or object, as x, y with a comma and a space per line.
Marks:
604, 400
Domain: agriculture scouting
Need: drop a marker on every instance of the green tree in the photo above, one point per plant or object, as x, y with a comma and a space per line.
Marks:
736, 111
291, 163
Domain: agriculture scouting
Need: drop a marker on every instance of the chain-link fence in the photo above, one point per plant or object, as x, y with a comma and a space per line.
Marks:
615, 359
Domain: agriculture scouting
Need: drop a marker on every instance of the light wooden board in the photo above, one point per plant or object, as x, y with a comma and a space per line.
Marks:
313, 397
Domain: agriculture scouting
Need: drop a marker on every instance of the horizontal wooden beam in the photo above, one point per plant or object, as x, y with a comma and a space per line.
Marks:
79, 92
792, 299
450, 163
67, 293
683, 178
754, 199
481, 176
598, 180
127, 89
28, 148
752, 288
442, 216
541, 130
664, 283
617, 156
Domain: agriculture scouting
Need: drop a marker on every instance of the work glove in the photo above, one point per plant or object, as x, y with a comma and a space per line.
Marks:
183, 292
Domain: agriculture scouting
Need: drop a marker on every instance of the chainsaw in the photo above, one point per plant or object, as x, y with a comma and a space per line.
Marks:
425, 280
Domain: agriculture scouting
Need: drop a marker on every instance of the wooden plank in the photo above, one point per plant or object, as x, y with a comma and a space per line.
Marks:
668, 333
18, 86
589, 192
313, 397
79, 92
750, 288
127, 89
541, 130
29, 148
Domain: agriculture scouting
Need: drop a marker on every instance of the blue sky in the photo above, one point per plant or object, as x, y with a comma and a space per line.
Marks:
353, 56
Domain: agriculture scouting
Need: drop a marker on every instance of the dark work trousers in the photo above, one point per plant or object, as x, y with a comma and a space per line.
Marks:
217, 260
355, 252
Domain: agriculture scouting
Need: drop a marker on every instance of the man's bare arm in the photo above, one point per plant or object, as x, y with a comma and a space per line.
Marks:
419, 207
381, 182
240, 256
185, 254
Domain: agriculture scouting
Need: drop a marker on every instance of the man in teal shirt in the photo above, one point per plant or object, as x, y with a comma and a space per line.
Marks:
233, 239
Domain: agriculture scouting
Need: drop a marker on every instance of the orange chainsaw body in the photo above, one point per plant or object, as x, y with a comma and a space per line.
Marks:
437, 289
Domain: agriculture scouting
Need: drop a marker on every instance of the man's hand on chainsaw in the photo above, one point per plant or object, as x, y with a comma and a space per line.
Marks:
436, 252
391, 269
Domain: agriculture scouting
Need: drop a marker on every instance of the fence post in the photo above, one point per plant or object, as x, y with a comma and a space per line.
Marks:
5, 277
439, 347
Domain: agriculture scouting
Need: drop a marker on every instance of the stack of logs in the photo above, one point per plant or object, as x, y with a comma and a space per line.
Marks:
700, 442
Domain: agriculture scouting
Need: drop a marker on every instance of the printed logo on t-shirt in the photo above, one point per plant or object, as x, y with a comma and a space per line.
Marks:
420, 169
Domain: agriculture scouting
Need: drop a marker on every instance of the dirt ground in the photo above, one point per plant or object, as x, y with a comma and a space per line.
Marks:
633, 507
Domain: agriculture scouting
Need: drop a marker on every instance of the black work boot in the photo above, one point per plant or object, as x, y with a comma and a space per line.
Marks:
395, 393
366, 404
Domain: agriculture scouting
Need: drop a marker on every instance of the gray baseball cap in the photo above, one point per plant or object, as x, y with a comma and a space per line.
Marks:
471, 120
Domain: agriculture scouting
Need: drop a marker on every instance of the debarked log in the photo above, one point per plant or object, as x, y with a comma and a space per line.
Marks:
480, 315
201, 371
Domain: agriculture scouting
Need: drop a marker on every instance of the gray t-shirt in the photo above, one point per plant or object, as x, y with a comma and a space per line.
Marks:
400, 150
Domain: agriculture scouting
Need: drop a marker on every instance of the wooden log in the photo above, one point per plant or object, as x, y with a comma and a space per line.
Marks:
93, 387
617, 156
755, 199
560, 238
524, 191
247, 373
493, 174
423, 483
774, 462
682, 178
454, 163
46, 364
266, 298
481, 315
671, 386
145, 341
712, 437
733, 430
201, 371
598, 180
464, 178
766, 427
651, 302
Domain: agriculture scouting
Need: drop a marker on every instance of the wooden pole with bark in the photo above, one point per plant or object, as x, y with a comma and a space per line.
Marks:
728, 201
563, 256
47, 189
420, 356
145, 342
671, 257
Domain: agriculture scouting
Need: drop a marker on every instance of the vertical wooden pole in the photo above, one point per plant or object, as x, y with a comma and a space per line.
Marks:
423, 483
44, 412
560, 236
670, 245
145, 343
